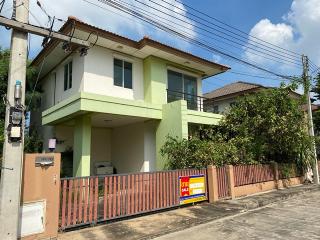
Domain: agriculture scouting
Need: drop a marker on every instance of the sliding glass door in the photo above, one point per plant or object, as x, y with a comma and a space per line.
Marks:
181, 86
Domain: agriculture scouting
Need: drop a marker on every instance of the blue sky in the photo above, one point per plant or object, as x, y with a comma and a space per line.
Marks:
291, 24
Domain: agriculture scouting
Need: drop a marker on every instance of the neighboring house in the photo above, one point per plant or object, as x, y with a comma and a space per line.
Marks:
223, 98
118, 103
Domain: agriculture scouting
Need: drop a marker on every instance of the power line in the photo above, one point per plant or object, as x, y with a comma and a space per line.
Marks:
155, 22
234, 39
232, 27
246, 40
257, 76
140, 10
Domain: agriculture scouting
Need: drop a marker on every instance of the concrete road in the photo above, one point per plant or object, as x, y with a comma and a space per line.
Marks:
296, 218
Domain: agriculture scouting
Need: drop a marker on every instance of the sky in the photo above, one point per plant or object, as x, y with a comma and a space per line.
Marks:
290, 24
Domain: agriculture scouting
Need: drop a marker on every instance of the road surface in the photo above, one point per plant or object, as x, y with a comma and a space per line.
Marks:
295, 218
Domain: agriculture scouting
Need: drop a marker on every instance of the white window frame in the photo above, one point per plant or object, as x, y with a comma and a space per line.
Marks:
123, 59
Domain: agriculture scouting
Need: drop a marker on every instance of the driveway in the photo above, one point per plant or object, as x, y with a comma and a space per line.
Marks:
295, 218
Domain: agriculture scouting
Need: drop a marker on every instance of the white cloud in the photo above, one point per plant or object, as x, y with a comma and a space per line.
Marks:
108, 19
299, 31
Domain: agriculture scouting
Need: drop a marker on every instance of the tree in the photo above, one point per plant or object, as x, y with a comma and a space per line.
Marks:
30, 94
268, 126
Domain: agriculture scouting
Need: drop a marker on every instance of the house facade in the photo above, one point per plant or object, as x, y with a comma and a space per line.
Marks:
116, 105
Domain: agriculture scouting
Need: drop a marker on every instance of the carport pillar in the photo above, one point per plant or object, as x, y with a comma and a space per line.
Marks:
174, 124
82, 146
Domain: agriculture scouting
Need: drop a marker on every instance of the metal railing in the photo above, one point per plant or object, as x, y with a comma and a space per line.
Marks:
194, 102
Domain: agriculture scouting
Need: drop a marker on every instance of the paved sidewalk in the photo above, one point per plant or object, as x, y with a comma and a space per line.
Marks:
155, 225
295, 219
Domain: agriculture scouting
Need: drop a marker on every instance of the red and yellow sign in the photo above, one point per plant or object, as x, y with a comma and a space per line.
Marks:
192, 189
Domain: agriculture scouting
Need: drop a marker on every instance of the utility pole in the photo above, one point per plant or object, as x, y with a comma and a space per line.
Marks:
306, 84
11, 173
12, 164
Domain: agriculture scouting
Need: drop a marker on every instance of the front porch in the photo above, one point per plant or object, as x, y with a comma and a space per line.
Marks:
123, 144
125, 135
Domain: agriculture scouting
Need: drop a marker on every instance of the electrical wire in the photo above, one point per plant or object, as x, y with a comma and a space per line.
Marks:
156, 23
36, 83
233, 36
257, 76
232, 27
2, 4
173, 24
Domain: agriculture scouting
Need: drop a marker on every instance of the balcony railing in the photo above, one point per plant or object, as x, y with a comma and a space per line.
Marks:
194, 102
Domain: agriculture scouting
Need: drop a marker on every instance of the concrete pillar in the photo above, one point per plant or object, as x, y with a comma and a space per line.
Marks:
82, 146
174, 123
231, 181
212, 184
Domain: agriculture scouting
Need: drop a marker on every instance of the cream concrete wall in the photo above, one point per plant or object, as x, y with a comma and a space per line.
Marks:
100, 146
133, 147
98, 76
127, 148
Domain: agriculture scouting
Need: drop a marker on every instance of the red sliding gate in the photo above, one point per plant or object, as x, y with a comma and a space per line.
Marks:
90, 200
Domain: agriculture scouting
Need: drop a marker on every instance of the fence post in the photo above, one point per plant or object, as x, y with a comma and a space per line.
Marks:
231, 181
212, 184
276, 174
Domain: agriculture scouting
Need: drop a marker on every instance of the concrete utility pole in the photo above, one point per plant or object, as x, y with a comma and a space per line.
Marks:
11, 169
11, 174
306, 84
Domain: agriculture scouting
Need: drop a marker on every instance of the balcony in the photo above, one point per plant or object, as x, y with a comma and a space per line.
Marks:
194, 102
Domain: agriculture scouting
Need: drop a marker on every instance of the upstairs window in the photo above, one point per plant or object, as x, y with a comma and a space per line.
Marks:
122, 73
68, 76
182, 86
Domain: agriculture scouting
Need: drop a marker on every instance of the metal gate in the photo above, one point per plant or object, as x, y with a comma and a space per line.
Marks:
89, 200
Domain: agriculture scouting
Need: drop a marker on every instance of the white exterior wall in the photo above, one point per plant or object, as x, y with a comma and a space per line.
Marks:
133, 148
98, 74
224, 105
54, 93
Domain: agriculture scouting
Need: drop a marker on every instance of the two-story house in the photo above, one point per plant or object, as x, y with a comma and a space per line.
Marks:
118, 103
224, 97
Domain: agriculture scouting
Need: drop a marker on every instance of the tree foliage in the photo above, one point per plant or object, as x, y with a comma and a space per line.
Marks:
268, 126
30, 94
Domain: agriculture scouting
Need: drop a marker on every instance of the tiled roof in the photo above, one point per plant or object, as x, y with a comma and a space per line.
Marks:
233, 88
146, 41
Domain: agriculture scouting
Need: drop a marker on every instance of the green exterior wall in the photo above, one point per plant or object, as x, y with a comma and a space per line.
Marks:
155, 80
174, 123
82, 146
171, 118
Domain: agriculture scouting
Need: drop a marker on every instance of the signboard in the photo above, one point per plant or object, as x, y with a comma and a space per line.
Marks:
192, 189
44, 161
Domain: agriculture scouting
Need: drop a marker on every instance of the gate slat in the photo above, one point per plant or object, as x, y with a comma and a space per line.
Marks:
69, 202
85, 210
96, 199
90, 200
114, 199
75, 199
80, 199
105, 198
119, 196
64, 198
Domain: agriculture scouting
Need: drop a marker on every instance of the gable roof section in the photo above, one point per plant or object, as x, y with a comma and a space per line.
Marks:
234, 89
144, 42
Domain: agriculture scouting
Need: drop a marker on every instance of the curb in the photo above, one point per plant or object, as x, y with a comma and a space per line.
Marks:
263, 199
